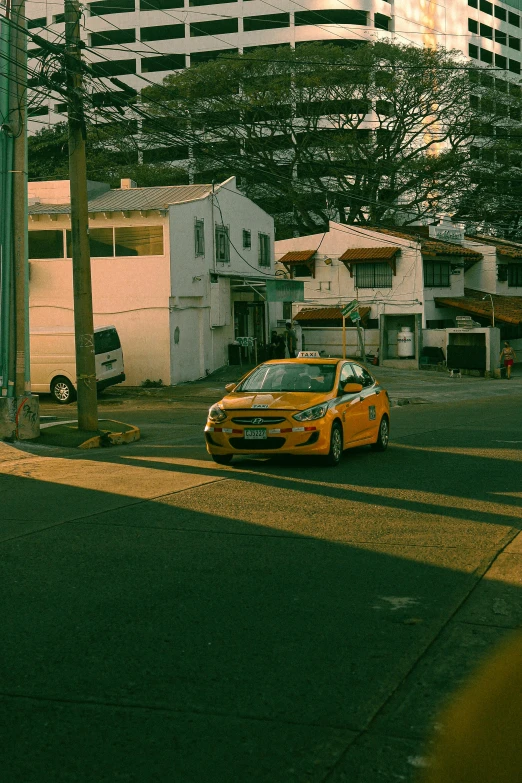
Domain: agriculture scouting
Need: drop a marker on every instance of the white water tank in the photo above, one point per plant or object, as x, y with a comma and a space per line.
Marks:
405, 343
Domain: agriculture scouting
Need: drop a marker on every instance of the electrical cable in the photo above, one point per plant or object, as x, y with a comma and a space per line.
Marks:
152, 50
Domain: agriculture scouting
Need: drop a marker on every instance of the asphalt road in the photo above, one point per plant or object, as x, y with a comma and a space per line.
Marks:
276, 621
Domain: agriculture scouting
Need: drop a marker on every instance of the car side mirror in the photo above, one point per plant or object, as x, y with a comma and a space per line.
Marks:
352, 388
230, 387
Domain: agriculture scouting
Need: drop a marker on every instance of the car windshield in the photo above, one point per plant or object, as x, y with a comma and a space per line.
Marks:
290, 377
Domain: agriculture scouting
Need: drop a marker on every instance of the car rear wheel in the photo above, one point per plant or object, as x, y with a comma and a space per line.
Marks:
62, 390
381, 444
336, 445
222, 459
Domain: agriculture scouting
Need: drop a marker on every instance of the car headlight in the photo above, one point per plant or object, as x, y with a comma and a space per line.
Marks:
216, 413
310, 414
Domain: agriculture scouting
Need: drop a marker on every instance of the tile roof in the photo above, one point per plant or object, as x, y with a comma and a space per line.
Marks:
132, 199
429, 247
325, 314
368, 253
297, 256
503, 247
508, 309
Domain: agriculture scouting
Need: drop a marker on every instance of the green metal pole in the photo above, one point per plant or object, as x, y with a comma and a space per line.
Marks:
6, 166
18, 107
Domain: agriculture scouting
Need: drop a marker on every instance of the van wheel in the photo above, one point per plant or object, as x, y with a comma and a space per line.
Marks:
222, 459
381, 444
62, 390
336, 445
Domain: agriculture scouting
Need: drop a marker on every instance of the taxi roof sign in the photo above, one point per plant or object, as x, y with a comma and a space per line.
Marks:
308, 355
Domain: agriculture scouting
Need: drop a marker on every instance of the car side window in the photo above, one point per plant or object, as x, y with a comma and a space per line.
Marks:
346, 375
363, 376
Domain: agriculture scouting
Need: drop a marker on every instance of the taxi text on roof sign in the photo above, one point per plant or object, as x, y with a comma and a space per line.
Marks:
308, 355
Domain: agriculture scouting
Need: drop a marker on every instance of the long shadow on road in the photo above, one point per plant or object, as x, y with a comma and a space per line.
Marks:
283, 623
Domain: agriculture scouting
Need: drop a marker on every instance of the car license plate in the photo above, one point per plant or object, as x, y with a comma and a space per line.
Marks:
257, 434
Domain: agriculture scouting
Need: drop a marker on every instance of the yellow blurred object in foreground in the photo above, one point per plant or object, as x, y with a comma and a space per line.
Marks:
481, 739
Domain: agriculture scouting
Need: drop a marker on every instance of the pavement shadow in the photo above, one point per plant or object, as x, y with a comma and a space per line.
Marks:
157, 639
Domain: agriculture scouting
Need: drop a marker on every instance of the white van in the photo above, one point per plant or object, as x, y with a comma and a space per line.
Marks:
53, 360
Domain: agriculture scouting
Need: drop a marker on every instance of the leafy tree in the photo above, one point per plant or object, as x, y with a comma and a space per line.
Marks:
295, 127
112, 153
493, 203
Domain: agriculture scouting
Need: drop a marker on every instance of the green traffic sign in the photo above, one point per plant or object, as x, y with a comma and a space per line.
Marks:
354, 316
347, 309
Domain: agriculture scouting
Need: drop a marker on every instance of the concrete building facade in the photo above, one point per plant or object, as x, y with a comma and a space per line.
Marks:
402, 278
177, 270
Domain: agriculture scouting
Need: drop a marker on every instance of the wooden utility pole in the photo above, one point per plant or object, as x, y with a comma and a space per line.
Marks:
81, 260
18, 112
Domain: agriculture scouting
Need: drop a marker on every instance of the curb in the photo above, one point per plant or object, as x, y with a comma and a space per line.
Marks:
112, 438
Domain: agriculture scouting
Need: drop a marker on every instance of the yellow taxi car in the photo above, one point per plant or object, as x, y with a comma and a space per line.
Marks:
306, 405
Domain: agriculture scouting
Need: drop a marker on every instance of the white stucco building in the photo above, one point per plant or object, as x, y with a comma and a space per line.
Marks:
178, 270
403, 277
141, 41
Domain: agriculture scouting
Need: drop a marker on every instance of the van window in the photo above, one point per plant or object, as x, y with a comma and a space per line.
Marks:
106, 341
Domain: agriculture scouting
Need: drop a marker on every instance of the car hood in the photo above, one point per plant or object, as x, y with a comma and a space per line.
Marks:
278, 401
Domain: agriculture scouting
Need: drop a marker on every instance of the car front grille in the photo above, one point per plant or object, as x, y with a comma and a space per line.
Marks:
258, 420
257, 445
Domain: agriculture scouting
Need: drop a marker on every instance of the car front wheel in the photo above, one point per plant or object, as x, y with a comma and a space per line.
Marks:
336, 445
381, 444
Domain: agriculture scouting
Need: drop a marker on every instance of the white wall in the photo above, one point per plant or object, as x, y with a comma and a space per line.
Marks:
434, 338
129, 292
202, 311
456, 288
328, 340
405, 295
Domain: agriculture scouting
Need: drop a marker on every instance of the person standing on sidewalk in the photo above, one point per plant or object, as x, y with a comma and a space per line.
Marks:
290, 339
508, 355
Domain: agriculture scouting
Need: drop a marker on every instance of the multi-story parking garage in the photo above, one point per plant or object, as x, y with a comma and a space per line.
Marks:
141, 41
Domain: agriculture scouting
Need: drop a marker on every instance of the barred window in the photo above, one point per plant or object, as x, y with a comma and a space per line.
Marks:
437, 274
264, 250
514, 275
199, 237
223, 244
373, 276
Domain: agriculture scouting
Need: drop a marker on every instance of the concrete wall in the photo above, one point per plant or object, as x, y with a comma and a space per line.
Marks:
435, 338
328, 340
132, 293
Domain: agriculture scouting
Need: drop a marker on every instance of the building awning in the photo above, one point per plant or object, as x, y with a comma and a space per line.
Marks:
325, 316
508, 309
299, 258
369, 255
